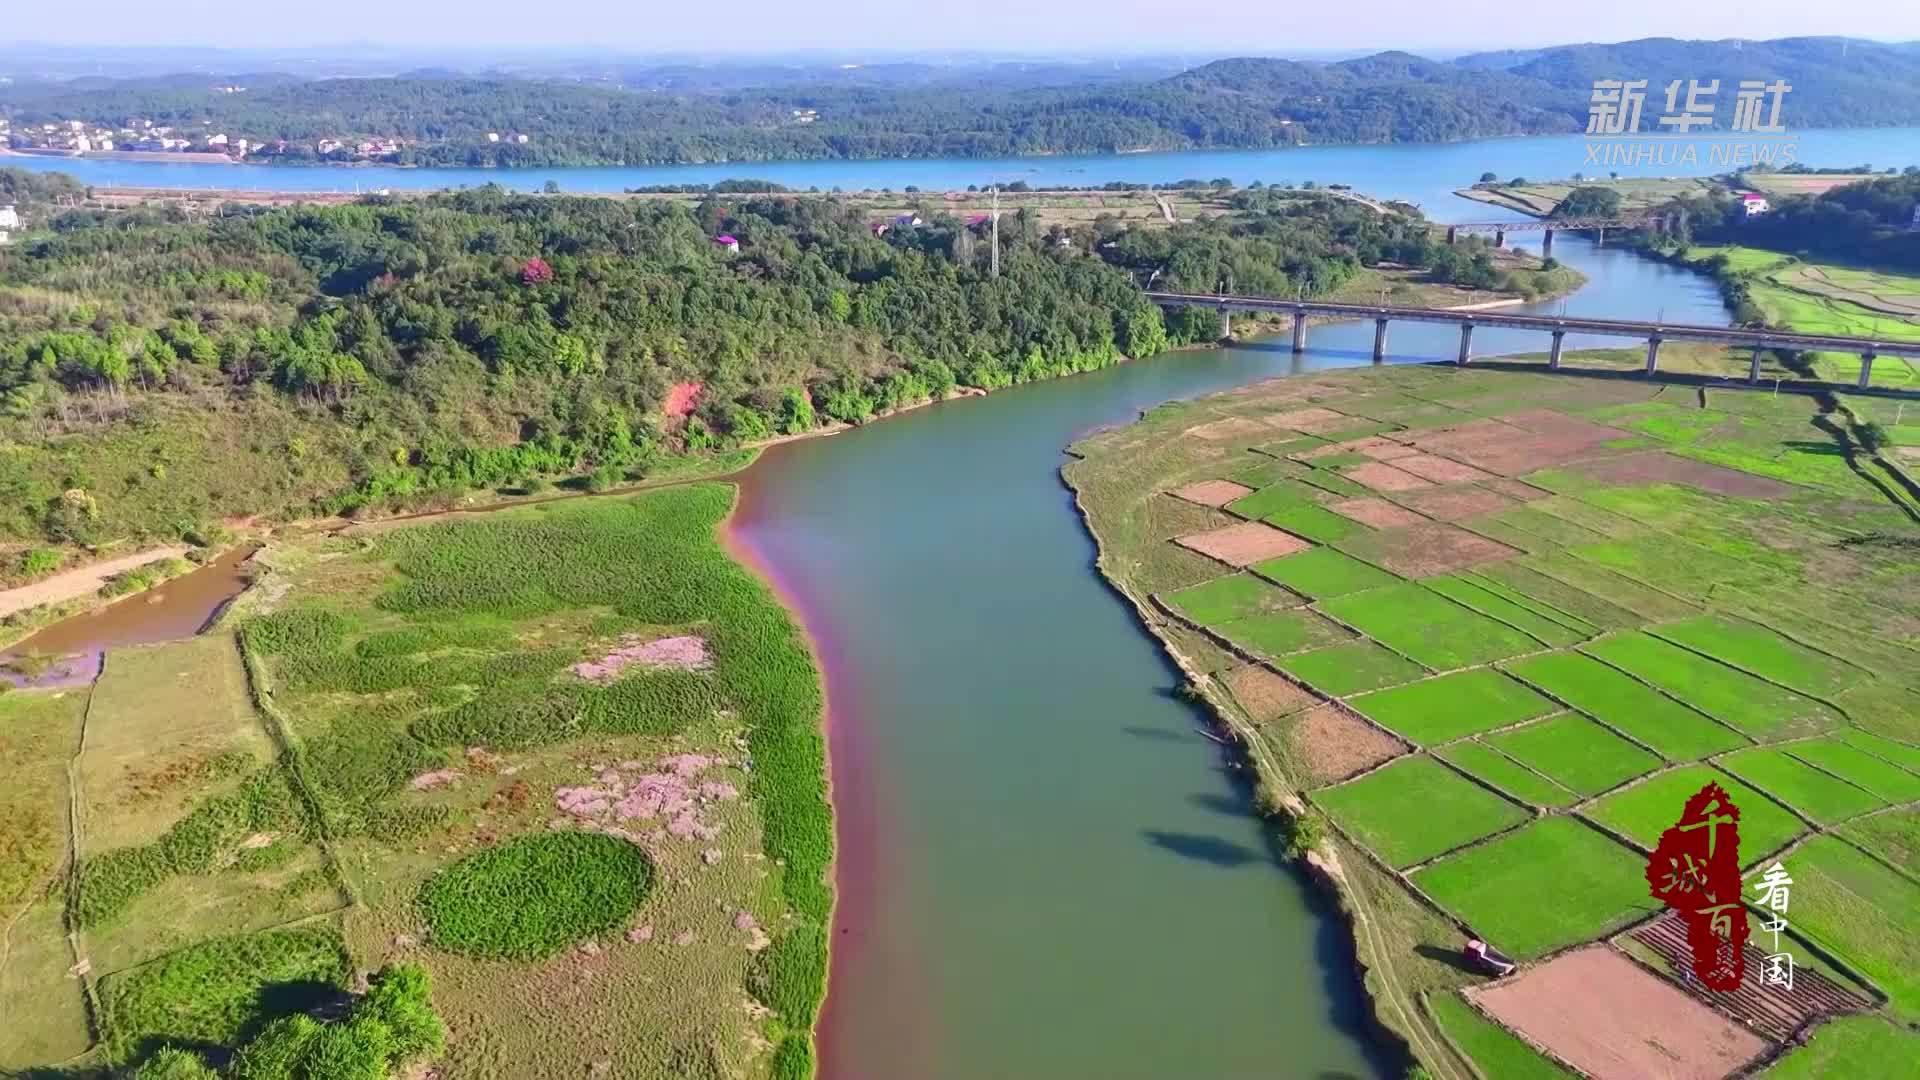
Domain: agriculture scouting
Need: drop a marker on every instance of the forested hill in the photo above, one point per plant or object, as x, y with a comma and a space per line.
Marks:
1252, 103
158, 374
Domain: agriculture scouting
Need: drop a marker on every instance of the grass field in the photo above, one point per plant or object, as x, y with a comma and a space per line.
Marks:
46, 1017
1505, 773
1718, 580
1894, 836
1575, 752
1498, 1051
1645, 810
1550, 884
1847, 1046
1414, 809
1225, 599
465, 751
1765, 653
1679, 733
1323, 572
1340, 670
1467, 702
1758, 708
1863, 911
1427, 627
1277, 633
1823, 798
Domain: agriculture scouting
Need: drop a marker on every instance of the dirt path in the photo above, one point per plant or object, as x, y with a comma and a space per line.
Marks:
80, 581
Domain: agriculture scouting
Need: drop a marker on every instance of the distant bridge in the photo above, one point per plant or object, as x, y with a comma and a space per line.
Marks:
1558, 325
1658, 222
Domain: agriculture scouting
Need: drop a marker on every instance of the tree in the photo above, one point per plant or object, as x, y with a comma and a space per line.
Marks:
1489, 178
551, 187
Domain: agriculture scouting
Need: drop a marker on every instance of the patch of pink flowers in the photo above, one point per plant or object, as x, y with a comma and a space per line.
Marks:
427, 781
686, 652
670, 792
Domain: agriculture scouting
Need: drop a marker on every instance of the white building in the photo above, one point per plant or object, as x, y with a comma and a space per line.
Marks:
9, 217
493, 136
1754, 203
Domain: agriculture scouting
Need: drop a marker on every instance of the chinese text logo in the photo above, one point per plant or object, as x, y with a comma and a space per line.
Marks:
1755, 133
1695, 870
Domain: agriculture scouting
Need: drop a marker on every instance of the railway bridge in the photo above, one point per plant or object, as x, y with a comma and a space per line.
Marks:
1559, 326
1659, 222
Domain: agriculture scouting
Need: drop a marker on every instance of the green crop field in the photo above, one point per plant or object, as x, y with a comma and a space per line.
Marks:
1496, 1050
1340, 670
1436, 710
1758, 708
1847, 1046
1890, 782
1676, 731
1323, 572
1686, 609
1893, 835
1907, 757
1556, 629
1863, 911
1284, 494
1228, 598
1765, 653
1550, 884
1575, 752
1648, 809
1551, 594
1415, 809
1427, 627
1505, 773
1277, 633
1826, 799
1316, 523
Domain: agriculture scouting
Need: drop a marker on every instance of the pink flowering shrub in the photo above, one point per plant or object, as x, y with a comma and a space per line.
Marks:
670, 792
536, 272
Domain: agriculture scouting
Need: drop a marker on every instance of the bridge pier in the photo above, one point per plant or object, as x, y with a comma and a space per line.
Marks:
1546, 245
1451, 234
1553, 356
1653, 354
1600, 236
1866, 368
1299, 331
1466, 342
1753, 367
1226, 324
1379, 340
1500, 238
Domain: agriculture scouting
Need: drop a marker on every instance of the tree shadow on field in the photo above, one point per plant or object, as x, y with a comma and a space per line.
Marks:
1207, 849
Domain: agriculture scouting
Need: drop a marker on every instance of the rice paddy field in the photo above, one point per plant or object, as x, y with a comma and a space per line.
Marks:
565, 758
1565, 604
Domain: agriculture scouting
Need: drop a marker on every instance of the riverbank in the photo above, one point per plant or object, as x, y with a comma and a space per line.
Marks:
1378, 598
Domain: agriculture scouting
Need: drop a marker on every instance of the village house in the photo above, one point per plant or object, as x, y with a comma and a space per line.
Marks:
728, 244
1753, 203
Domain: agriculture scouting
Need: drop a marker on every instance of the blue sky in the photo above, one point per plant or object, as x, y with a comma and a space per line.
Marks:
1053, 26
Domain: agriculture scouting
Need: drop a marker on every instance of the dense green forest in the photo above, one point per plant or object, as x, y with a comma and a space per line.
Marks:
1868, 222
1391, 97
158, 374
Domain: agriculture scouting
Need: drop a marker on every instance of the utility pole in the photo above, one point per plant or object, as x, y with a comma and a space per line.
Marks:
996, 232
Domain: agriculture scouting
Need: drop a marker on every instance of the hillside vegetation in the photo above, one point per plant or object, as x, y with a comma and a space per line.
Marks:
1243, 102
158, 374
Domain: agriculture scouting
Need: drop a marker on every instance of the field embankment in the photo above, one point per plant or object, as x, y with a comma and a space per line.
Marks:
1548, 609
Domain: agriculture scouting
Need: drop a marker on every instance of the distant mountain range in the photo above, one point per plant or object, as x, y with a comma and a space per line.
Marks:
751, 111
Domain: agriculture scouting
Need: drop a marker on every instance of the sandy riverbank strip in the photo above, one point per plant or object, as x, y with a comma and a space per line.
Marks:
80, 581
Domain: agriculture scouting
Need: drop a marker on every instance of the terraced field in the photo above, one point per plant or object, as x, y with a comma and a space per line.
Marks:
1577, 601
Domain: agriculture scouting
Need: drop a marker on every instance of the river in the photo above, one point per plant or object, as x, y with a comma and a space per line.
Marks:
1044, 870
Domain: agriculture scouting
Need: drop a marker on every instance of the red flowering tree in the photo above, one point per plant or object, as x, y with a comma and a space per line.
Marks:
536, 272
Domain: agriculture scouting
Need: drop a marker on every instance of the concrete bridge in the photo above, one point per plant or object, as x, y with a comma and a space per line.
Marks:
1559, 326
1658, 222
